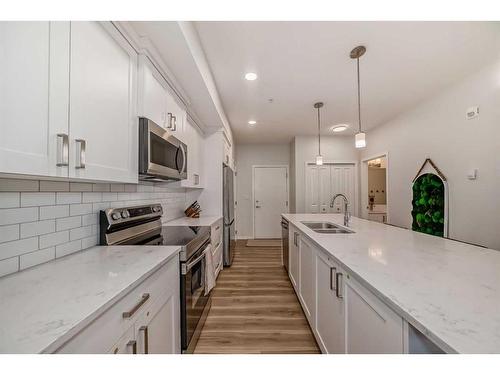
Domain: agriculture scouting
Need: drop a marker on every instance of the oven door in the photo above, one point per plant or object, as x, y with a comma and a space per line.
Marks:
193, 299
161, 155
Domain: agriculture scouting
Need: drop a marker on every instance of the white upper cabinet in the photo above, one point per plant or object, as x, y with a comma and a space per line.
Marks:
152, 93
103, 120
194, 140
156, 101
34, 97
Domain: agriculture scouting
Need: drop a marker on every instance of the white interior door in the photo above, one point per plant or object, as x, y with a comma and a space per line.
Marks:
312, 189
342, 181
270, 200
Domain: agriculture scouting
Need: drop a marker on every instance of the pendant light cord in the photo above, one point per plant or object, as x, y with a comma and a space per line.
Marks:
319, 135
359, 98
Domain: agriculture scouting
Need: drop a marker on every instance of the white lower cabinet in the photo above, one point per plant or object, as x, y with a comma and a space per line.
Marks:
344, 316
330, 307
371, 326
293, 255
307, 270
146, 320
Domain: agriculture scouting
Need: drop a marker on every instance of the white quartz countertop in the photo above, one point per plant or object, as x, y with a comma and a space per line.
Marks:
43, 307
447, 289
202, 221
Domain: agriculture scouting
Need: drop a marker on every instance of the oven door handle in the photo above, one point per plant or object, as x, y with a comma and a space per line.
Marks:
195, 262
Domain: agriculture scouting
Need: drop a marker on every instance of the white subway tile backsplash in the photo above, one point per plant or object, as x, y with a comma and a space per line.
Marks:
37, 228
68, 223
53, 239
8, 266
43, 220
89, 219
101, 187
91, 197
80, 209
15, 248
7, 184
53, 212
37, 257
18, 215
68, 248
9, 233
117, 187
79, 233
80, 186
89, 242
37, 199
68, 198
54, 186
9, 200
109, 197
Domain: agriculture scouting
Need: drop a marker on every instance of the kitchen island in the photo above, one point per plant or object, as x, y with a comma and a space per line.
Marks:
449, 291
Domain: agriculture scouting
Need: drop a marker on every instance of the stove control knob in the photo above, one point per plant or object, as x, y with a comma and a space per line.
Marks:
156, 208
115, 216
125, 214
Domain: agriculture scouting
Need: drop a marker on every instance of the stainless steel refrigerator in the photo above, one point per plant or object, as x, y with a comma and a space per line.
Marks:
228, 212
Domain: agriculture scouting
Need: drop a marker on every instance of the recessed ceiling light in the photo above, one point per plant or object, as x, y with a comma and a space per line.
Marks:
339, 128
250, 76
252, 122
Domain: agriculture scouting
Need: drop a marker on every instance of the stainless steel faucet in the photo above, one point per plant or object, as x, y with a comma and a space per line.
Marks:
347, 214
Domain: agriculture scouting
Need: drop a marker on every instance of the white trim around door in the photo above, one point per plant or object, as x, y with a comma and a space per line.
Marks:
364, 184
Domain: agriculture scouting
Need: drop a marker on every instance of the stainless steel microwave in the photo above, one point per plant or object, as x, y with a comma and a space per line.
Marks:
161, 155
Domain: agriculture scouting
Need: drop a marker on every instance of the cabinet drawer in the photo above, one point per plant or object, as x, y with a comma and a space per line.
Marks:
216, 233
100, 335
218, 260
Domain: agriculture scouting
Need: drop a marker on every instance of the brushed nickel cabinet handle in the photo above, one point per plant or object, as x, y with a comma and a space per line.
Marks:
62, 150
333, 271
338, 278
128, 314
80, 153
144, 329
169, 120
217, 227
133, 344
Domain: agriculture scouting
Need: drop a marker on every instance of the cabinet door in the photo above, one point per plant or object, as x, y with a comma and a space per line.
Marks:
103, 118
179, 118
152, 93
307, 269
330, 317
371, 326
293, 255
192, 139
158, 329
127, 344
34, 81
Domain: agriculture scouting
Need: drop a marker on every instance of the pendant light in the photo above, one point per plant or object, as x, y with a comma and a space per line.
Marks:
360, 137
319, 158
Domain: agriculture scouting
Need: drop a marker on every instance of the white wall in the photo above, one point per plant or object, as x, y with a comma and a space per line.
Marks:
333, 148
248, 155
438, 129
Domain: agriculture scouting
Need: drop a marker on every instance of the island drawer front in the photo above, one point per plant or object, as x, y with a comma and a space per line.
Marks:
100, 335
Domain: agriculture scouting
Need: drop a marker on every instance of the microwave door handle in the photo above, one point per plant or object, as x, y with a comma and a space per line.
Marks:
183, 159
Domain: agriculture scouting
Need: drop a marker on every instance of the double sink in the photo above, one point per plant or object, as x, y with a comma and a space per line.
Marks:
326, 227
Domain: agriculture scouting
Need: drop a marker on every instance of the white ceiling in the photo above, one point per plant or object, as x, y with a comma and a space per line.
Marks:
299, 63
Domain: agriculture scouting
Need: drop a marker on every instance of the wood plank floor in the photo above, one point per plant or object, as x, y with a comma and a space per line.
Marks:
255, 309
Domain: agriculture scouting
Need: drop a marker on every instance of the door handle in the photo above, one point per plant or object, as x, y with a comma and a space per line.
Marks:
62, 150
257, 206
80, 153
144, 329
333, 271
338, 278
133, 344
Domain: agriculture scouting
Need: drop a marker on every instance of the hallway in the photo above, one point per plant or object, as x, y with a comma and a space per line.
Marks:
255, 309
